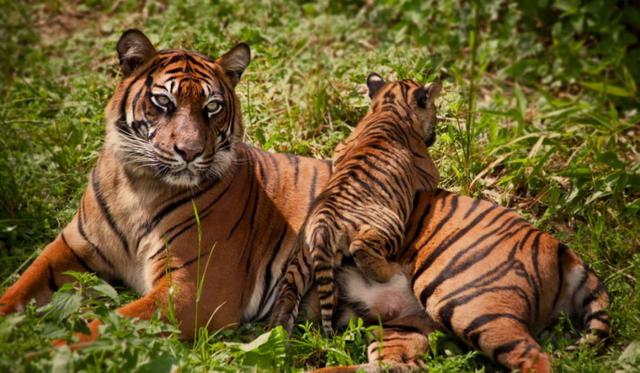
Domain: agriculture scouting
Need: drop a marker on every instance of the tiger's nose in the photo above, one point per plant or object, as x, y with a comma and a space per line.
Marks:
188, 152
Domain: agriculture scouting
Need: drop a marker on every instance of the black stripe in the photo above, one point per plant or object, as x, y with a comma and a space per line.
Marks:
166, 210
446, 312
426, 211
505, 348
487, 318
81, 261
498, 216
526, 350
267, 289
562, 250
314, 181
182, 266
474, 206
593, 296
51, 281
106, 212
450, 271
496, 273
438, 227
602, 334
444, 245
250, 196
125, 97
203, 214
581, 283
83, 234
536, 271
601, 316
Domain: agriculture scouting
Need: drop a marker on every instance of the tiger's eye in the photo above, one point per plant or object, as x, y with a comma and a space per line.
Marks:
161, 101
213, 107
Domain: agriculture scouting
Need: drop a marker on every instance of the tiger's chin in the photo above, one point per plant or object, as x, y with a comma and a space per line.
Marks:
185, 179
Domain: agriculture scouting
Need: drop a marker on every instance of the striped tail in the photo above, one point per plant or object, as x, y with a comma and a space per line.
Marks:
324, 271
587, 298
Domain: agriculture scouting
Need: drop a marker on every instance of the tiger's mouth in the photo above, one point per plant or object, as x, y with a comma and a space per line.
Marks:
183, 176
197, 173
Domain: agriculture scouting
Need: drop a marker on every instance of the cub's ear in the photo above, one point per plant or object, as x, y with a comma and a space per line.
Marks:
374, 83
434, 89
428, 93
235, 61
134, 49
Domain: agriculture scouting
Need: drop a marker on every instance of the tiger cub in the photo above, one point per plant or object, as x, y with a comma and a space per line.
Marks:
377, 171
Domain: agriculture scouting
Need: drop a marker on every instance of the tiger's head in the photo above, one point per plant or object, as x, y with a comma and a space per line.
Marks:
417, 100
175, 115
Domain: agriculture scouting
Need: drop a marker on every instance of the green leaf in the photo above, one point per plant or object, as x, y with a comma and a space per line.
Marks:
61, 362
64, 304
107, 290
609, 89
8, 324
266, 351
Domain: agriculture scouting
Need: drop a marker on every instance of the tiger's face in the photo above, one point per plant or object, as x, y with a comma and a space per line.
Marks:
416, 100
175, 116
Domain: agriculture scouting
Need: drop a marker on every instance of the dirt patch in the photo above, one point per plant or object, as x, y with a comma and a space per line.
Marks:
57, 22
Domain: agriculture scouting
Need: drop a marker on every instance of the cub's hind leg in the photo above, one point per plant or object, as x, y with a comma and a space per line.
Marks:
296, 283
370, 248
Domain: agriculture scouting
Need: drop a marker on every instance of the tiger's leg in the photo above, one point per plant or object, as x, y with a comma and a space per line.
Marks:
296, 283
402, 343
399, 346
157, 299
508, 342
369, 248
43, 277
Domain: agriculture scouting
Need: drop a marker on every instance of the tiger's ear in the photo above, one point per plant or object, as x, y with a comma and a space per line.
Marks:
134, 49
428, 94
374, 83
235, 61
434, 89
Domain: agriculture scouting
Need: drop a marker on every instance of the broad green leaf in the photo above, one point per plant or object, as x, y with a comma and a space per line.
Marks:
107, 290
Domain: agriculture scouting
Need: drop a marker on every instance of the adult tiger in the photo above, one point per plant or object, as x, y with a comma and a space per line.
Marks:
173, 136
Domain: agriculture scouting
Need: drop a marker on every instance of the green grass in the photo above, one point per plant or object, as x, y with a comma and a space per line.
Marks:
540, 113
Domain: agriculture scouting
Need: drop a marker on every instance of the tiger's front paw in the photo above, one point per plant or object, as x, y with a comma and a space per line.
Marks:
83, 340
8, 306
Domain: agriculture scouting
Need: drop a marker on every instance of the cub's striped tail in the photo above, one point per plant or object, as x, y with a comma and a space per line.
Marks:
319, 241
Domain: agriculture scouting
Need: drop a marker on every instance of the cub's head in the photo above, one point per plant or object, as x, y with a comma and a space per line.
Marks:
414, 101
175, 115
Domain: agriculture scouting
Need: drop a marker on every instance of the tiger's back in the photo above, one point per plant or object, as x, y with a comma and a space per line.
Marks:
486, 274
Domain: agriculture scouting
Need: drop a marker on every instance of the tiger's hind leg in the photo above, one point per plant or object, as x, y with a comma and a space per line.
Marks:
369, 249
43, 277
508, 342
